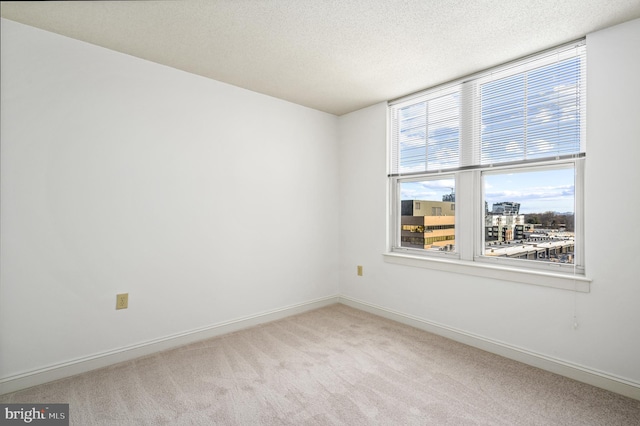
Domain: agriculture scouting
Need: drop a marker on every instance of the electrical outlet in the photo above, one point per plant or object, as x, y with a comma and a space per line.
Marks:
359, 270
122, 301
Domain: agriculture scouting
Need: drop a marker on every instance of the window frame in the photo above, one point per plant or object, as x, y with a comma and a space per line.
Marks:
576, 268
396, 216
468, 257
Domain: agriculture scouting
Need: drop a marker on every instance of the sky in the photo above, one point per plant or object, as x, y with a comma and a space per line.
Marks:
537, 192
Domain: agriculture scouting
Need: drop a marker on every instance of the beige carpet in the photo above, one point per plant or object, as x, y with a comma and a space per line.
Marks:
331, 366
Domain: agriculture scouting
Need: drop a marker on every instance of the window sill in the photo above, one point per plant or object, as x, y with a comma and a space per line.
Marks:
577, 283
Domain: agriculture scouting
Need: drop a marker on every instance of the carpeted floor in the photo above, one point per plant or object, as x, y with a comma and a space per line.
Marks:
331, 366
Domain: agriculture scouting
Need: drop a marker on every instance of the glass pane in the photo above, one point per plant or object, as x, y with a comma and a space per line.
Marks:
532, 115
443, 123
530, 215
412, 140
429, 134
428, 215
502, 119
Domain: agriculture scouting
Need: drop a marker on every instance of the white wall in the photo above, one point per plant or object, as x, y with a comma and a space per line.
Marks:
536, 319
121, 175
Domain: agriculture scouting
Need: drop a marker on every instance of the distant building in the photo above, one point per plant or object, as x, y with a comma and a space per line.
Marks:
507, 208
545, 249
504, 227
450, 198
507, 235
503, 222
428, 224
427, 208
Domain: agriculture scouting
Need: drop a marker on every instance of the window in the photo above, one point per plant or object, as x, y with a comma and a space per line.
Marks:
540, 226
489, 169
427, 222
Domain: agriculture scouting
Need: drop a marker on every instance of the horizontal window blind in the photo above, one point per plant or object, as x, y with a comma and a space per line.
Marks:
533, 110
426, 133
527, 111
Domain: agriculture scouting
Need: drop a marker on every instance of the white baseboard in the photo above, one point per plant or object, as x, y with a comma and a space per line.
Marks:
82, 365
563, 368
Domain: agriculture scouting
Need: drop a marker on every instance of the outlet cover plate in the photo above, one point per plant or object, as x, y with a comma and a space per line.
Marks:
122, 301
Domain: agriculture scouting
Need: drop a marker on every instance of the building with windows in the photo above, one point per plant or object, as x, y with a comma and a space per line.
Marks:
427, 208
428, 232
544, 249
506, 208
428, 224
505, 227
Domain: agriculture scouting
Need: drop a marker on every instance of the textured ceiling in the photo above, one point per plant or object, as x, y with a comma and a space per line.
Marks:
332, 55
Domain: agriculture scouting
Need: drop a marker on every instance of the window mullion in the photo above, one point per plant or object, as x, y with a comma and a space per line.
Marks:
465, 222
